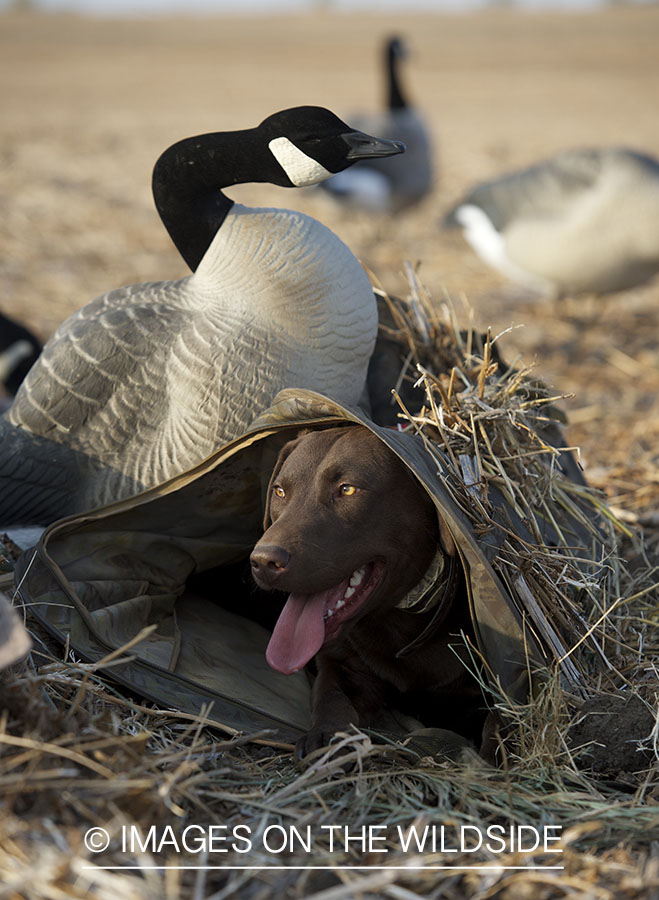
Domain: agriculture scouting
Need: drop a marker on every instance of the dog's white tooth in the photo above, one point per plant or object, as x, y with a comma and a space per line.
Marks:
349, 592
356, 577
328, 613
339, 604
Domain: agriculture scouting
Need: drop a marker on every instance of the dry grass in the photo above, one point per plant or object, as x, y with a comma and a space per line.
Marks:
498, 427
88, 107
72, 762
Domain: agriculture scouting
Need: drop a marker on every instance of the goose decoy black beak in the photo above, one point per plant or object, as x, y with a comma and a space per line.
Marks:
365, 146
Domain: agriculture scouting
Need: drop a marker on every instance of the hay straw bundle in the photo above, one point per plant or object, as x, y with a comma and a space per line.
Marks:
78, 756
500, 429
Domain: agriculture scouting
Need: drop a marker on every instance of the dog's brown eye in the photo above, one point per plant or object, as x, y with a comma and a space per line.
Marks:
278, 491
347, 490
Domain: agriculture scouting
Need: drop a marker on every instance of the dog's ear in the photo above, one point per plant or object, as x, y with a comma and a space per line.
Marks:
284, 453
446, 537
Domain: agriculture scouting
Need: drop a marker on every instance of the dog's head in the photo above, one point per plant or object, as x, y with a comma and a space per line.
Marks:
349, 530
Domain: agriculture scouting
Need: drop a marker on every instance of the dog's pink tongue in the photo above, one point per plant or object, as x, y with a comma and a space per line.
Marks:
299, 632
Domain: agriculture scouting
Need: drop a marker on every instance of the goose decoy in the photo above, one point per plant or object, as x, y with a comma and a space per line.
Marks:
19, 349
147, 380
389, 184
584, 221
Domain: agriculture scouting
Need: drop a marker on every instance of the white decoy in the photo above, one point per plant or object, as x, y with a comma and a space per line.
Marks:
147, 380
389, 184
584, 221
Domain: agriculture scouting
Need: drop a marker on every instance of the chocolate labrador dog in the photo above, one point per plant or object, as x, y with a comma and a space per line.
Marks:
355, 541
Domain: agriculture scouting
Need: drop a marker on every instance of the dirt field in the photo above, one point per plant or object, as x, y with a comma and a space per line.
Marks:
88, 105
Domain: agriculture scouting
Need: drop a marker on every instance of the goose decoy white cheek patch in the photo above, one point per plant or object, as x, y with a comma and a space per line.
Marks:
301, 169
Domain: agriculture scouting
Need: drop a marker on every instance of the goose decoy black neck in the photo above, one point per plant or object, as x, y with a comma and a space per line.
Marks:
394, 51
292, 148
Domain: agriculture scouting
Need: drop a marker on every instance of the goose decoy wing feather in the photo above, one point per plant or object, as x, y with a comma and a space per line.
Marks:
121, 361
39, 478
96, 393
543, 189
554, 185
584, 221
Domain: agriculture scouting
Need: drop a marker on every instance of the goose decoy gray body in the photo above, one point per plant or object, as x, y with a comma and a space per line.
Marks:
389, 184
584, 221
19, 349
147, 380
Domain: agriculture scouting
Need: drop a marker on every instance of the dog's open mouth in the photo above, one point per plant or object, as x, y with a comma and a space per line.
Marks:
307, 621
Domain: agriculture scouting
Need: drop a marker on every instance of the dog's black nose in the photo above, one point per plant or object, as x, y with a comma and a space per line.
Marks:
269, 561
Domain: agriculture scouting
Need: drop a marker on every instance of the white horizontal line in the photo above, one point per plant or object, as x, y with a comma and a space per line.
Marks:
334, 868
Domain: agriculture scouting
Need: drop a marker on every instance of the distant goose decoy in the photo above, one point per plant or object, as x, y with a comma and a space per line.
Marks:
147, 380
19, 349
389, 184
584, 221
